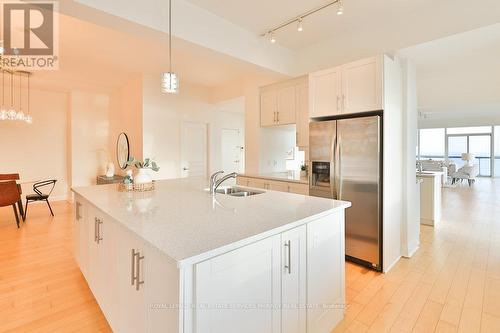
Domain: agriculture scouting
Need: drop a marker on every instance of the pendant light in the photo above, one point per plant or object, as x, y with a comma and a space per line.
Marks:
28, 117
169, 80
20, 113
11, 114
3, 111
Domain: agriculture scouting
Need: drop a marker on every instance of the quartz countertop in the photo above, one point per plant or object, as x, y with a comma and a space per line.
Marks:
287, 176
185, 222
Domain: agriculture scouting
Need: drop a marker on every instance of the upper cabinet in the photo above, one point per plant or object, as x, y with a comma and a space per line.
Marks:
350, 88
279, 103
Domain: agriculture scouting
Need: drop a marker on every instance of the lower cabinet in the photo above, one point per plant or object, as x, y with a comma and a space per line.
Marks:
289, 283
131, 281
274, 185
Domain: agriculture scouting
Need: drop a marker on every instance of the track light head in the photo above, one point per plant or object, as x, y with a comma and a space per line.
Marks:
272, 39
300, 28
340, 8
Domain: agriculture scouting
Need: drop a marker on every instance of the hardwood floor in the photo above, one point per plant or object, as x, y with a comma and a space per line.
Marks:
452, 284
41, 287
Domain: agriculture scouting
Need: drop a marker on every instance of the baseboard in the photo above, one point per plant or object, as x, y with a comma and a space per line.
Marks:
412, 252
391, 266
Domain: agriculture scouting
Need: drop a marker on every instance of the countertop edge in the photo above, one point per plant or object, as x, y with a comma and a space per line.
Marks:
279, 179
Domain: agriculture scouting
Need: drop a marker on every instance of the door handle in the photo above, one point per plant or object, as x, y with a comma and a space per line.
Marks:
99, 238
138, 269
288, 265
132, 268
95, 229
185, 169
78, 206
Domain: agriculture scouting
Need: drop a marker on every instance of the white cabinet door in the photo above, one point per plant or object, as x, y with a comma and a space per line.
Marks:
131, 298
258, 183
362, 85
278, 186
161, 273
302, 99
324, 93
268, 108
102, 262
294, 283
286, 106
238, 290
325, 272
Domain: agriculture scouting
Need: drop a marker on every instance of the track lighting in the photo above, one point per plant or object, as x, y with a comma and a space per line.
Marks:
300, 28
340, 8
298, 19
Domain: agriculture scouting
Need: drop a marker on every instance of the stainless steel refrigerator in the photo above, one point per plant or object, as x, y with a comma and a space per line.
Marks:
346, 164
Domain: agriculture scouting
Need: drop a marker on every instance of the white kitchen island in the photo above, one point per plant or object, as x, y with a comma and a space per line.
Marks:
179, 260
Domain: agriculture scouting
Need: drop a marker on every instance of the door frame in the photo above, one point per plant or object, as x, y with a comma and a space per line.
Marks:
207, 148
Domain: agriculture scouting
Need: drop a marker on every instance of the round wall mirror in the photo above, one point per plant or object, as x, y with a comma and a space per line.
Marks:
122, 150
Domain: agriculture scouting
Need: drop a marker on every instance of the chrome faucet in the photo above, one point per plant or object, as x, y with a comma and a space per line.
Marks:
215, 182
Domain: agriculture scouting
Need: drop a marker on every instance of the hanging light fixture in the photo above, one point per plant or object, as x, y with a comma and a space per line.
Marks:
20, 113
11, 114
272, 38
170, 80
3, 110
28, 117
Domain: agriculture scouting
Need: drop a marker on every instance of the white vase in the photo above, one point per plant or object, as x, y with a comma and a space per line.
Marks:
110, 170
142, 177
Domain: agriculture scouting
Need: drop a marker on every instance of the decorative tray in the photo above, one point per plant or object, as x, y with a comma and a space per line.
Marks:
146, 187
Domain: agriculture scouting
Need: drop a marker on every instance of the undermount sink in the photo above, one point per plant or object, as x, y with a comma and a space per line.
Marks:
237, 191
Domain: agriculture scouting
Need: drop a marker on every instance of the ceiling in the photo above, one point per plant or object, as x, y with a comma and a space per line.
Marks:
459, 74
369, 16
94, 57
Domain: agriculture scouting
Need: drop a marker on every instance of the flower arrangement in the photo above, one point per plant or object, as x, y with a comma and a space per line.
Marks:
142, 175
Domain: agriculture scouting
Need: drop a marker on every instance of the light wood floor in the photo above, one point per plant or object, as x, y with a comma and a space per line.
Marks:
451, 284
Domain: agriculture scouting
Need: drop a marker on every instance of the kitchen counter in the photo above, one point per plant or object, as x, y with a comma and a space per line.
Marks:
185, 222
430, 197
178, 259
293, 176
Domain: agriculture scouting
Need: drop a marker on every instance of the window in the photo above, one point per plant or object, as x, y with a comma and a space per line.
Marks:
469, 130
497, 151
432, 143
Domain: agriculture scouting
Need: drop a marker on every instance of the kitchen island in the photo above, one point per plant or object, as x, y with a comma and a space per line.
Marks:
180, 260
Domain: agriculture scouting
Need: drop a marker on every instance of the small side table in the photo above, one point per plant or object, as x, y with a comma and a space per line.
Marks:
102, 180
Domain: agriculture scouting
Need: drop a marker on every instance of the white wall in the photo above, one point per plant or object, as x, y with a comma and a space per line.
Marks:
38, 151
163, 115
89, 136
410, 228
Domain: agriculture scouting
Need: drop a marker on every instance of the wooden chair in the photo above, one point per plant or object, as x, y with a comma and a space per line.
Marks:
39, 195
9, 196
14, 176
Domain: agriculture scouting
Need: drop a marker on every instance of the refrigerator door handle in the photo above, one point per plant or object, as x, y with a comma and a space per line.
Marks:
333, 168
338, 165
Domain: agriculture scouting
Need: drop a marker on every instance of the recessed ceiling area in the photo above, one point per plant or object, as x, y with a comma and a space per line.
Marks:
94, 57
459, 74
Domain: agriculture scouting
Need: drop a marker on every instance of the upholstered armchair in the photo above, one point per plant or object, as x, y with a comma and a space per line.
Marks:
467, 172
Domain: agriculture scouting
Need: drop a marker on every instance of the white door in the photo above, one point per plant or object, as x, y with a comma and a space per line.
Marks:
293, 287
194, 142
231, 150
325, 90
240, 291
362, 86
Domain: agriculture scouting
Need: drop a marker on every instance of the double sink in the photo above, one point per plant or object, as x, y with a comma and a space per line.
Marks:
235, 191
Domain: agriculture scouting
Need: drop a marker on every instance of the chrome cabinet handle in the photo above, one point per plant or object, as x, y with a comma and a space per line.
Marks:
277, 117
99, 238
78, 215
288, 266
138, 265
95, 229
132, 268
